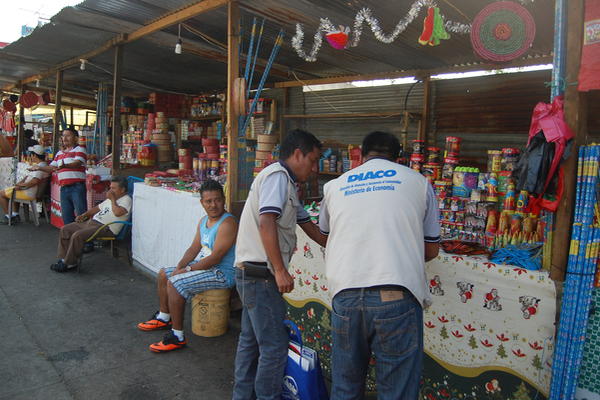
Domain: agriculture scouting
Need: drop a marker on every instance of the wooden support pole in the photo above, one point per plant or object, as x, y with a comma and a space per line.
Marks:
72, 119
57, 112
116, 106
424, 125
233, 73
404, 130
21, 132
576, 118
284, 110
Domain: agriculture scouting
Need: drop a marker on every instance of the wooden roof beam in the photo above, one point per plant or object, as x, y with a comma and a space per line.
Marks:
176, 17
415, 73
160, 23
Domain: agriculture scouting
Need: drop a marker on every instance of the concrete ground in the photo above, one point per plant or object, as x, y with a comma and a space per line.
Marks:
74, 336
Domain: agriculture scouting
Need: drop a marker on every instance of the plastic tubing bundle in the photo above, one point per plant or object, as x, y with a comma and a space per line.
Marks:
581, 268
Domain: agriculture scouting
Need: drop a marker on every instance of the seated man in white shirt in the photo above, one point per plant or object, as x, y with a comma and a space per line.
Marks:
27, 188
72, 237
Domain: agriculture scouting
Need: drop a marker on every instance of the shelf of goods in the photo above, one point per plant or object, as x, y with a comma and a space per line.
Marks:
489, 326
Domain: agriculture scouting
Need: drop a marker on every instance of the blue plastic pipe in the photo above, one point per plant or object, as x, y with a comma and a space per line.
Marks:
560, 48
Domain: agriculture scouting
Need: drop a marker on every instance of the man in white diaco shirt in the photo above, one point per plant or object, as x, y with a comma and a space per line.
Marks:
381, 219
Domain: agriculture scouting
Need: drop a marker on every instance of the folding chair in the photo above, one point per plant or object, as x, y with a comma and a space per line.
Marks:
40, 196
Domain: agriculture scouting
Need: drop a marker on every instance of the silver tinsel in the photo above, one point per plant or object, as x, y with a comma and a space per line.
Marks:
456, 27
324, 26
366, 16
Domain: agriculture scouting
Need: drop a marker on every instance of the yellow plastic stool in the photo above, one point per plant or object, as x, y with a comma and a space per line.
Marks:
210, 312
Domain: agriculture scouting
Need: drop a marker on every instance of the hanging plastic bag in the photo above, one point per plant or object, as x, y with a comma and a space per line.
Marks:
303, 378
548, 145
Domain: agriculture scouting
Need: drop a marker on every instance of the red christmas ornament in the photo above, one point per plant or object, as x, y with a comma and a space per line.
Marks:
338, 39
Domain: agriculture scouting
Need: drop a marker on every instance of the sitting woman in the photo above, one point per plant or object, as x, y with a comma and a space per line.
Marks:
27, 188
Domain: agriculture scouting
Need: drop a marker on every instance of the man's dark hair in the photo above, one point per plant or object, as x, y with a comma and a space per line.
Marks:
28, 133
383, 143
121, 180
41, 157
298, 139
75, 133
211, 185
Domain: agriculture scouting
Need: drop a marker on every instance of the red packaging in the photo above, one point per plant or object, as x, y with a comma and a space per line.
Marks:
452, 145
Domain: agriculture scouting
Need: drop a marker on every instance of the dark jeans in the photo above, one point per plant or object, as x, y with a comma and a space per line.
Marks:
262, 348
367, 320
73, 201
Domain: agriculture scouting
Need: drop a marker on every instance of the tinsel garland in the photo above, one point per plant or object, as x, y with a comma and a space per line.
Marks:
366, 16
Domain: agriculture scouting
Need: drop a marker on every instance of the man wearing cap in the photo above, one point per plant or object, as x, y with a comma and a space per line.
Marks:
27, 188
70, 164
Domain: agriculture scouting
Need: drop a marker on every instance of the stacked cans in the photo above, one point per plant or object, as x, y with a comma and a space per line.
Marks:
264, 149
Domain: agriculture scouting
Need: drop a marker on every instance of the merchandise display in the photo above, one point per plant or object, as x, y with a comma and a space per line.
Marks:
483, 208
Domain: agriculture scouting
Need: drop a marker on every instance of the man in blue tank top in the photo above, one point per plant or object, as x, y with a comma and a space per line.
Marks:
207, 264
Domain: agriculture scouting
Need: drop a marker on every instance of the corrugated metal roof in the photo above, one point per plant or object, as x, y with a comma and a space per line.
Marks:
79, 29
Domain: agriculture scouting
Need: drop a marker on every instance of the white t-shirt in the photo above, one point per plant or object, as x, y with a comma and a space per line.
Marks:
32, 191
378, 217
106, 215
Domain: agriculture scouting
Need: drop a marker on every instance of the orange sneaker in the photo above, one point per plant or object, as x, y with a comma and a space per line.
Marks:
154, 324
170, 342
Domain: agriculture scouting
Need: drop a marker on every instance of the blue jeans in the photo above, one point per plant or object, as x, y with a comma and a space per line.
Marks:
388, 324
262, 348
73, 201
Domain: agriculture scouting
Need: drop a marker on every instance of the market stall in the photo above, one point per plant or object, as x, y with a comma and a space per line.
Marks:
491, 327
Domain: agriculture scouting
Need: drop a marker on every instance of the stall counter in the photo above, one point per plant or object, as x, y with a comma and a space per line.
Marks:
7, 167
164, 224
489, 332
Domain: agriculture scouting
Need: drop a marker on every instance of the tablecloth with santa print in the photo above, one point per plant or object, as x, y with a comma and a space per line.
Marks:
489, 333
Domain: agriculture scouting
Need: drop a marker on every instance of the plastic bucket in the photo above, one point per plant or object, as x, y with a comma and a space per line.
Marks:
210, 312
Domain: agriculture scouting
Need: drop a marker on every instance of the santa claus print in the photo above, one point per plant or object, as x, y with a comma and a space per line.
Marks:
307, 252
529, 305
492, 386
465, 291
492, 301
435, 286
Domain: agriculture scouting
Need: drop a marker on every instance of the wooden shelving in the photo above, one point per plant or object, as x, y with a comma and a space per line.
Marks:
350, 115
330, 173
207, 118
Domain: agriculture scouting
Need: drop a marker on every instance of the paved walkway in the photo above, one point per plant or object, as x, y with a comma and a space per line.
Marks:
74, 336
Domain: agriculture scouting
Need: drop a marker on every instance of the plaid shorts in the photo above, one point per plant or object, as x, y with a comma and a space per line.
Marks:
191, 283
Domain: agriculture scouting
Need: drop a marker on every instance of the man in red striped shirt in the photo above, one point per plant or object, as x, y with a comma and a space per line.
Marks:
70, 163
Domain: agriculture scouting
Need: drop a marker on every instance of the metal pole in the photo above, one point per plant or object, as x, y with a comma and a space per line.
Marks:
21, 132
116, 130
560, 48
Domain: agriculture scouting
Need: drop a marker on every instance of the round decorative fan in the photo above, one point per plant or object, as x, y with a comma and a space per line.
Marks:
29, 99
502, 31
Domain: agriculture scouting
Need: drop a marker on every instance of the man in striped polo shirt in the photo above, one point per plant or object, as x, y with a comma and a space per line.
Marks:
70, 165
